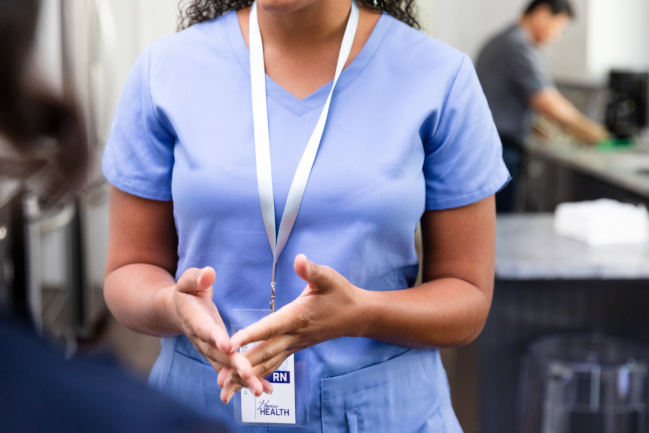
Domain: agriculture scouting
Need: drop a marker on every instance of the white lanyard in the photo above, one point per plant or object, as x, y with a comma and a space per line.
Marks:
262, 140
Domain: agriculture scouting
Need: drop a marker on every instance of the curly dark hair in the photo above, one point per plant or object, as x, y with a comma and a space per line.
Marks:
198, 11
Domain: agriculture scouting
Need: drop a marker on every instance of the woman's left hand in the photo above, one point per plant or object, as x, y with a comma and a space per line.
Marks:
327, 309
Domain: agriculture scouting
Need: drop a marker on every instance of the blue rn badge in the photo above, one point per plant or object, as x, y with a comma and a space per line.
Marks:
280, 377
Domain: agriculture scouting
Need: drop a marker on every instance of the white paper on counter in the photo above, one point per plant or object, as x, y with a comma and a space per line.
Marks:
602, 222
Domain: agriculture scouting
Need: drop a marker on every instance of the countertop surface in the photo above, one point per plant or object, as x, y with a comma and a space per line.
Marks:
528, 249
624, 167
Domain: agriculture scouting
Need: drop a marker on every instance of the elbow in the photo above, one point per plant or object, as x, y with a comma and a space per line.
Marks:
117, 301
478, 322
112, 296
470, 328
473, 333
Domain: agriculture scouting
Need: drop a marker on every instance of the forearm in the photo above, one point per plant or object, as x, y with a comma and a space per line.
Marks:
140, 296
441, 313
552, 104
555, 106
579, 124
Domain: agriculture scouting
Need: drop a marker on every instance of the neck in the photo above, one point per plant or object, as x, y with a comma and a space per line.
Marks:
320, 22
526, 24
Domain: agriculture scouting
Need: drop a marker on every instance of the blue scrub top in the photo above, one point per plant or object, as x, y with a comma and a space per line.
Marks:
409, 130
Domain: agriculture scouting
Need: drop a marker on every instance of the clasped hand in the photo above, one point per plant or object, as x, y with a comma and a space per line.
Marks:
328, 308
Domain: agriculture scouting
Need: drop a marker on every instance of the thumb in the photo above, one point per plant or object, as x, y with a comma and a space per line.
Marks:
319, 277
196, 280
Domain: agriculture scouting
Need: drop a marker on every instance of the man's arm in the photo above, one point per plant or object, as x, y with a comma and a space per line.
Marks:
553, 104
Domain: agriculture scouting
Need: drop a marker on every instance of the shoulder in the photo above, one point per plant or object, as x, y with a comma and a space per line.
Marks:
189, 45
419, 45
420, 54
509, 45
514, 40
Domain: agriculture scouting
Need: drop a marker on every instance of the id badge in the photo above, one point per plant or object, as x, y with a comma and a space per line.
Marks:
288, 405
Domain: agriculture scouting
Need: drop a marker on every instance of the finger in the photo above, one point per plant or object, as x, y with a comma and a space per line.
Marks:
240, 364
317, 276
267, 350
268, 388
250, 380
209, 332
226, 396
227, 374
233, 391
196, 280
232, 386
213, 353
224, 375
261, 371
225, 391
266, 369
235, 378
270, 326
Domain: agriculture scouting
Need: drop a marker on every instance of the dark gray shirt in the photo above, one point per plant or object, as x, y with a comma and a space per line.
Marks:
512, 69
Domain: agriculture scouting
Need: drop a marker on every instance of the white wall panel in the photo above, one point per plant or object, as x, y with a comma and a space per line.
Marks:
606, 34
47, 52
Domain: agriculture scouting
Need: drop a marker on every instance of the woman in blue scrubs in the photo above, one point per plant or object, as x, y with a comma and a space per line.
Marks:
408, 138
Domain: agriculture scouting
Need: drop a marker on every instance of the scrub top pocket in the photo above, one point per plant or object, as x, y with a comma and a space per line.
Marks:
399, 395
192, 383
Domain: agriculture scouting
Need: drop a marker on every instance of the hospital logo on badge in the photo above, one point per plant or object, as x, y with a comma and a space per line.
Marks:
280, 377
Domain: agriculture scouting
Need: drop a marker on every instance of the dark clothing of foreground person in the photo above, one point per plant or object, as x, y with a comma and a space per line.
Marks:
40, 391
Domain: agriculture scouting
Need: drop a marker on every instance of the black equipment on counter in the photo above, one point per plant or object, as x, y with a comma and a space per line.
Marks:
626, 112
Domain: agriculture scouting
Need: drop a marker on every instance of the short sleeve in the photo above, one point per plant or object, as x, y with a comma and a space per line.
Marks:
528, 71
463, 162
139, 154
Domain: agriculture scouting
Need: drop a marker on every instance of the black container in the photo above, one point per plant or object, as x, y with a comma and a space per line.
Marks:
627, 109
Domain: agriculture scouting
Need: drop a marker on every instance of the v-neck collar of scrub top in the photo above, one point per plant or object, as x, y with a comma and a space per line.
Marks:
286, 99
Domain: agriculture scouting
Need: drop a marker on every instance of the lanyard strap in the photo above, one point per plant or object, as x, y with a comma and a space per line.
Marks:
262, 140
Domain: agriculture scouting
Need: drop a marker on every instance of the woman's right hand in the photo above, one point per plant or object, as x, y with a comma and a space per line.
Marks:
198, 318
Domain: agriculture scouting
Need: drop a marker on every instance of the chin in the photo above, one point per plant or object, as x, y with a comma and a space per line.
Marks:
283, 6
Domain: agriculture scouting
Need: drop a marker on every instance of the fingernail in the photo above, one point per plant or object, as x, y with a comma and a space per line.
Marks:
271, 391
229, 398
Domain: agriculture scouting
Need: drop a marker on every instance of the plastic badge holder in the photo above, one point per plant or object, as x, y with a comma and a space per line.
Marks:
288, 406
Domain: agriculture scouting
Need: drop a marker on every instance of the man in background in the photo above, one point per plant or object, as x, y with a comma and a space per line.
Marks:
517, 83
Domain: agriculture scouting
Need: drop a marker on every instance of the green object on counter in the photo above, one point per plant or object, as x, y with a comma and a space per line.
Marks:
613, 143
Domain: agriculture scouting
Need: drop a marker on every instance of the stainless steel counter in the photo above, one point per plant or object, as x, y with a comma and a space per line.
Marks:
528, 249
626, 168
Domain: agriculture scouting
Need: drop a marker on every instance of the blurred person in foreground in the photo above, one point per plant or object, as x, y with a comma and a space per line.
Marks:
517, 82
43, 138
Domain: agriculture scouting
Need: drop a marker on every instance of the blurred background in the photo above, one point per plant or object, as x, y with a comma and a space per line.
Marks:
85, 49
548, 281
